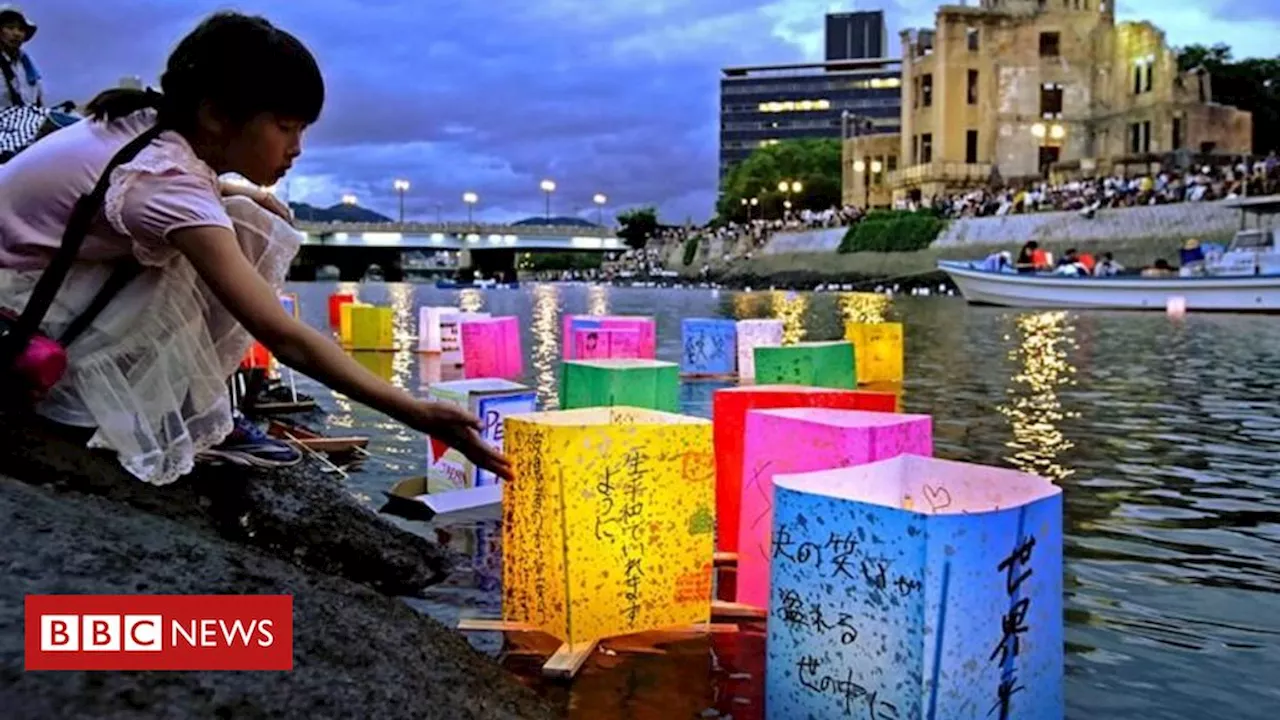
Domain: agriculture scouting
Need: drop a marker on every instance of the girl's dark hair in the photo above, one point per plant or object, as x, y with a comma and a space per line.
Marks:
241, 65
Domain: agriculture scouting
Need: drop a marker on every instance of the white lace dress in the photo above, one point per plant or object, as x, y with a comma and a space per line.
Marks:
151, 372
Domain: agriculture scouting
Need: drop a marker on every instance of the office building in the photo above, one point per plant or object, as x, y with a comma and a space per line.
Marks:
856, 36
1020, 90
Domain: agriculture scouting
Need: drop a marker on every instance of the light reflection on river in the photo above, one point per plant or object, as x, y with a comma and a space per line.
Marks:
1164, 436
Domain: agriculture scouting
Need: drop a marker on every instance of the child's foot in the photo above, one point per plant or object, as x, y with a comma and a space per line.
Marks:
249, 446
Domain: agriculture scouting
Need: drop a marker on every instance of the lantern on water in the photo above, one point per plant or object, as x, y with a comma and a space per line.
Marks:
651, 384
336, 301
803, 440
820, 364
491, 348
289, 301
610, 522
751, 335
605, 344
257, 358
492, 400
878, 347
729, 417
643, 325
345, 327
371, 328
438, 332
709, 346
924, 588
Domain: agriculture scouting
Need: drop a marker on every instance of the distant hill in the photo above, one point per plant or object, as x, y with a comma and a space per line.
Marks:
558, 221
337, 213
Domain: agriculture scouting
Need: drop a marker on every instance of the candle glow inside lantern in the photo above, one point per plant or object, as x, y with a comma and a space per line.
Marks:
491, 348
916, 588
609, 526
751, 335
651, 384
371, 327
804, 440
820, 364
645, 326
729, 408
490, 399
606, 344
878, 347
709, 346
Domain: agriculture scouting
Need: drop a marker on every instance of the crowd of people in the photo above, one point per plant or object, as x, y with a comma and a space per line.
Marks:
1203, 184
1034, 259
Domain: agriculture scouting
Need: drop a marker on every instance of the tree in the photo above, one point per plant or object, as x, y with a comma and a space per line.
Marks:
637, 226
1251, 84
814, 162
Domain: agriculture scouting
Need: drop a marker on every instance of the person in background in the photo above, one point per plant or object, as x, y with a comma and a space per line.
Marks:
1108, 267
1027, 257
1191, 258
22, 85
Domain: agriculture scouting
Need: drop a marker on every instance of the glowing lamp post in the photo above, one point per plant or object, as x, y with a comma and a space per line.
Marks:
548, 187
402, 186
470, 199
600, 199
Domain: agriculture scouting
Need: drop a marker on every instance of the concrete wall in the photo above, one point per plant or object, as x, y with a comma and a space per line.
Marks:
1160, 222
805, 241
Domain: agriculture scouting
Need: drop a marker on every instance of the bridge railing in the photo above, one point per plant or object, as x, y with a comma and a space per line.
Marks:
455, 228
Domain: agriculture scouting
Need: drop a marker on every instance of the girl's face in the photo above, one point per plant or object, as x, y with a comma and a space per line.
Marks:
264, 149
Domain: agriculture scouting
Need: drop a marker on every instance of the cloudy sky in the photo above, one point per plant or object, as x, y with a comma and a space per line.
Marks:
610, 96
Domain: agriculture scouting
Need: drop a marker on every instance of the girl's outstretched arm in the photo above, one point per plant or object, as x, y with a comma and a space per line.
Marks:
217, 258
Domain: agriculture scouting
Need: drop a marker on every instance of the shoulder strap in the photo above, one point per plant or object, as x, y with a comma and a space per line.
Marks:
82, 216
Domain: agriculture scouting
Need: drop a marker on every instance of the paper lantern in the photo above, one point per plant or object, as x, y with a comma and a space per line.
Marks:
606, 344
878, 347
729, 416
258, 357
371, 328
709, 346
751, 335
916, 588
609, 526
336, 301
651, 384
491, 348
820, 364
492, 400
1176, 306
438, 331
289, 301
345, 327
643, 325
803, 440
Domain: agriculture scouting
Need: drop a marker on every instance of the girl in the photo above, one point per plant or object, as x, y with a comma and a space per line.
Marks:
149, 375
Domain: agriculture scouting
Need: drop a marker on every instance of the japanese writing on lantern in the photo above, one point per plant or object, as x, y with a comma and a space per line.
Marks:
838, 552
801, 614
1012, 625
618, 521
855, 700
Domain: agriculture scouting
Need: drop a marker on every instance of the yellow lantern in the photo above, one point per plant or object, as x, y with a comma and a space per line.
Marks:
371, 328
345, 326
878, 347
609, 527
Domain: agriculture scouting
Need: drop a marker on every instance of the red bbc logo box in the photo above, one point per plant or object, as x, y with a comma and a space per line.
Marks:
159, 632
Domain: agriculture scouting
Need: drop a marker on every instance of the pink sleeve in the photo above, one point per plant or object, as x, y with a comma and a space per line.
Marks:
156, 205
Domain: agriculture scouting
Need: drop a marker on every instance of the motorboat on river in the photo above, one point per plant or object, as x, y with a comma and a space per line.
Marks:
1243, 278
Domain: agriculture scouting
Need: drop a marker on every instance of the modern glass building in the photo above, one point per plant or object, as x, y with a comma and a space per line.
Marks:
764, 105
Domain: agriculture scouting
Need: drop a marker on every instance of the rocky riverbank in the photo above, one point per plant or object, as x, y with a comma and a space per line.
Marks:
76, 523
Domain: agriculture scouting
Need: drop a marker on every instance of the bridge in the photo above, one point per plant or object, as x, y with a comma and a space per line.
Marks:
353, 247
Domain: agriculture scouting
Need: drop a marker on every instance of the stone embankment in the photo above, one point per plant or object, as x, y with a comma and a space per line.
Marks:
75, 523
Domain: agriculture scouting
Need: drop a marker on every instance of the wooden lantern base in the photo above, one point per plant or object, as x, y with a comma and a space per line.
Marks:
565, 662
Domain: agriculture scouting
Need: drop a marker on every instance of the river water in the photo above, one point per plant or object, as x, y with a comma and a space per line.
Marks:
1164, 435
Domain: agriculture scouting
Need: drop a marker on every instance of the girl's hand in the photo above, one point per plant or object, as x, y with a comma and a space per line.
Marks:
460, 430
269, 202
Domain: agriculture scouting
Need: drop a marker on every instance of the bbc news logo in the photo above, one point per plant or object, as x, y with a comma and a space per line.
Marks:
159, 632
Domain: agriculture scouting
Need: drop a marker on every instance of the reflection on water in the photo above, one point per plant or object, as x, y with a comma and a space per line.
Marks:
1171, 493
470, 300
546, 346
597, 300
1034, 409
789, 307
867, 308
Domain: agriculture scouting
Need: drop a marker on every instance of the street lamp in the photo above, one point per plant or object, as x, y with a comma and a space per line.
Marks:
348, 199
548, 187
470, 199
600, 200
789, 187
402, 186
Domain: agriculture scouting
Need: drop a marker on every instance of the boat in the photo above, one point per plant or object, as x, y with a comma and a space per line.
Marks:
305, 438
1243, 278
446, 284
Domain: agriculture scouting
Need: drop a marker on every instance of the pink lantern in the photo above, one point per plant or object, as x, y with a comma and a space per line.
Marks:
610, 344
644, 326
491, 348
784, 442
